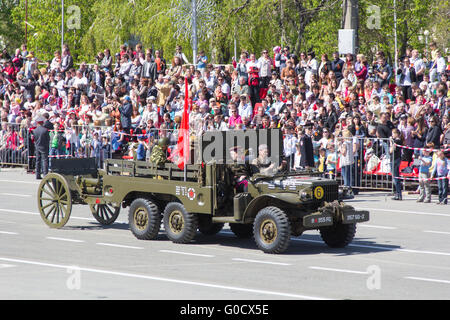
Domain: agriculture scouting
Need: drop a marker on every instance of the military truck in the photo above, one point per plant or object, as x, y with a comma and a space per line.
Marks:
203, 197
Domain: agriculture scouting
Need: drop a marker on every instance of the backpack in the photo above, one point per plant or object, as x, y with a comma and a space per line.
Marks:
253, 77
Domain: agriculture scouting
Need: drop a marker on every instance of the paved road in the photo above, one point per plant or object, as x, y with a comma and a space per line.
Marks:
403, 252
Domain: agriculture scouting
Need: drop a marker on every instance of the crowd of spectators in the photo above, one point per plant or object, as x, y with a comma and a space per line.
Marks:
320, 103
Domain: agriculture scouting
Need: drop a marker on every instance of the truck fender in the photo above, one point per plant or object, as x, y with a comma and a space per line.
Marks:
276, 199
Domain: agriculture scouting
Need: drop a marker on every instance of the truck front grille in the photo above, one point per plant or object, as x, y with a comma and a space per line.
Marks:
330, 192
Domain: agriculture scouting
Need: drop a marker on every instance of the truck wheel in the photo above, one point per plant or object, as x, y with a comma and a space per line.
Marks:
272, 230
105, 214
206, 227
338, 235
144, 219
243, 231
180, 225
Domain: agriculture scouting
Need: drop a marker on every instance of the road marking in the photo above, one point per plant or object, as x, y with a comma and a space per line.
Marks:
4, 265
188, 253
37, 213
15, 194
404, 211
117, 245
8, 232
18, 181
429, 280
382, 248
171, 280
259, 261
439, 232
338, 270
64, 239
376, 227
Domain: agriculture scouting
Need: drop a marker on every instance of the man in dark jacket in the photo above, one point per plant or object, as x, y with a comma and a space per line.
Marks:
148, 69
433, 137
337, 65
125, 114
331, 117
42, 144
29, 86
306, 148
47, 124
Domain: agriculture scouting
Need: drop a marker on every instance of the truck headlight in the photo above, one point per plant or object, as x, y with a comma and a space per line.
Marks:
306, 194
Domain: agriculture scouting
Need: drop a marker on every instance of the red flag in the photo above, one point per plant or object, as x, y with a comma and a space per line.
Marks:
180, 156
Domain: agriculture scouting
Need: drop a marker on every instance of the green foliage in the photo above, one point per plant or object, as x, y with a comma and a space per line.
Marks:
44, 28
255, 25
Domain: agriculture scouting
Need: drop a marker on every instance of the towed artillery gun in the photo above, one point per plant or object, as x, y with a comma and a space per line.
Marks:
200, 198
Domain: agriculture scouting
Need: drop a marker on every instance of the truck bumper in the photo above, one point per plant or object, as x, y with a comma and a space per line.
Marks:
334, 212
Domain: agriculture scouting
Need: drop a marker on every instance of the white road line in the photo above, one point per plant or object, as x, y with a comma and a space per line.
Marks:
259, 261
118, 245
18, 181
338, 270
4, 265
188, 253
438, 232
376, 227
429, 280
37, 213
15, 194
178, 281
383, 248
64, 239
404, 211
7, 232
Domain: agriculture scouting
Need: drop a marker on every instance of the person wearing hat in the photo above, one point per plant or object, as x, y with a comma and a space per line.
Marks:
30, 65
42, 145
158, 156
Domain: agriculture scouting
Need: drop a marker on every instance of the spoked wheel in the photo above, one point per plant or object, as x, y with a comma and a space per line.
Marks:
105, 213
54, 200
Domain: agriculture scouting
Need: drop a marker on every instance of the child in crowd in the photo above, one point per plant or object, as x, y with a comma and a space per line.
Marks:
331, 161
424, 177
441, 171
322, 160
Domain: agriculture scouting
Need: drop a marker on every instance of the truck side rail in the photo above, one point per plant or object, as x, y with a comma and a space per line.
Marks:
168, 171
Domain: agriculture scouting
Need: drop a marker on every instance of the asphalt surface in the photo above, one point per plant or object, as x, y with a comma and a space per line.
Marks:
403, 252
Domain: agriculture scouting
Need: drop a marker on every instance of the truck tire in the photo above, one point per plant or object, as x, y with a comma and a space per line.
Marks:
338, 235
207, 227
272, 230
144, 219
180, 225
242, 231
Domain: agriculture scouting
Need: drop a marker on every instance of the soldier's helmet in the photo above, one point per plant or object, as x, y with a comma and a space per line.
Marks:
163, 142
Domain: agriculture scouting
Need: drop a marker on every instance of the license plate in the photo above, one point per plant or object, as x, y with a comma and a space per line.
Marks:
317, 220
355, 217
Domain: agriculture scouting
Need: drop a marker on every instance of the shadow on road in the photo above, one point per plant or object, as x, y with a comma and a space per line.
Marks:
98, 226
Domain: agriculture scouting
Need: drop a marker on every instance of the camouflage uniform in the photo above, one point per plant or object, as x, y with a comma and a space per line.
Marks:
158, 156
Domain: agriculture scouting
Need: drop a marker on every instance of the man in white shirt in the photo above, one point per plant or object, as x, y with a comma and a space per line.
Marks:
225, 87
289, 146
245, 108
419, 65
80, 82
210, 80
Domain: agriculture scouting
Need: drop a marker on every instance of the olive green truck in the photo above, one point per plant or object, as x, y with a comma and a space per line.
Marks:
201, 198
